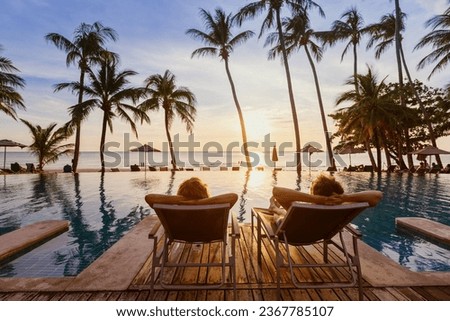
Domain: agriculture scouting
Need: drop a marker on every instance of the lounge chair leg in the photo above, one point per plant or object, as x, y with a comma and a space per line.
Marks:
357, 263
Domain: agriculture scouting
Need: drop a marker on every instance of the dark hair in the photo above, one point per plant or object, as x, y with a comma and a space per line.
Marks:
326, 185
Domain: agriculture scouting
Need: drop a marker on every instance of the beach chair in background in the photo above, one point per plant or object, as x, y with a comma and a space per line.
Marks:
446, 169
16, 168
421, 171
391, 169
200, 222
310, 224
135, 168
30, 168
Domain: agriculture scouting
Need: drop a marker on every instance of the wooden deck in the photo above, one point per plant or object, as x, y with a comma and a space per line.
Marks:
253, 283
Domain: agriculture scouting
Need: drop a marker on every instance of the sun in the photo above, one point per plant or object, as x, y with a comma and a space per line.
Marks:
257, 126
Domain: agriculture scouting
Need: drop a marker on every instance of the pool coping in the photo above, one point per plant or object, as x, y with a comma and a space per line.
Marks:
116, 269
30, 236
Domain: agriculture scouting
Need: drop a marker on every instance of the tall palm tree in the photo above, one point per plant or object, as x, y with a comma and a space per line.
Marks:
273, 18
109, 91
384, 34
220, 41
372, 112
298, 35
47, 143
84, 50
162, 92
439, 39
10, 99
351, 28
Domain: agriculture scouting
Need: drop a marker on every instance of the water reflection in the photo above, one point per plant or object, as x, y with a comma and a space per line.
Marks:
242, 198
171, 181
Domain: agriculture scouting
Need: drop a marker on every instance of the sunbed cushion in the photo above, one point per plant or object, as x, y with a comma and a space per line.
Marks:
230, 198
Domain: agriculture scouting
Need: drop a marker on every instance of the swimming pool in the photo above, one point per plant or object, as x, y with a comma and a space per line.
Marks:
102, 208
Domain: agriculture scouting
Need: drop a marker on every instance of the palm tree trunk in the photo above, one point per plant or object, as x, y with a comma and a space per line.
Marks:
291, 94
421, 106
385, 148
355, 68
369, 152
378, 148
241, 117
102, 142
76, 153
400, 72
169, 140
322, 112
408, 144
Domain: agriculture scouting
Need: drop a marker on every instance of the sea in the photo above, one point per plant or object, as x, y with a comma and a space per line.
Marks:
90, 160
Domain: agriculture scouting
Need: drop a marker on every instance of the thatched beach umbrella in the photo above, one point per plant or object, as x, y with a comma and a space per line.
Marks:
145, 149
429, 151
310, 149
351, 150
9, 143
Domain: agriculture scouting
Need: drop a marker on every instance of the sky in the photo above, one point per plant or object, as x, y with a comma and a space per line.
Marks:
152, 39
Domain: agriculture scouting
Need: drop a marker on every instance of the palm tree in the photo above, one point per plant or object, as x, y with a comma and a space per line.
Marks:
84, 50
273, 8
350, 28
47, 143
108, 91
371, 114
385, 33
440, 41
298, 35
220, 41
162, 92
10, 99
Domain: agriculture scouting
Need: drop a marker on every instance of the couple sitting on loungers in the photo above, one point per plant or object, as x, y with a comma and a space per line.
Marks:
192, 216
324, 190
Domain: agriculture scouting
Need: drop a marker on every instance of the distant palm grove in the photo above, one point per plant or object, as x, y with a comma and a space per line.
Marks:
392, 118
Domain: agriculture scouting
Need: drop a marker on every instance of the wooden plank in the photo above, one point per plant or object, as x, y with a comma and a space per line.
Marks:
215, 295
300, 295
100, 296
129, 296
383, 294
247, 255
369, 295
432, 293
398, 294
410, 294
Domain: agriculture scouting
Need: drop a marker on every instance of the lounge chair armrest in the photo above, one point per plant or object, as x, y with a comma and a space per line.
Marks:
353, 231
154, 230
235, 231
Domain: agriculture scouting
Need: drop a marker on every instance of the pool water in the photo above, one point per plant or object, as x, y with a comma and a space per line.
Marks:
102, 208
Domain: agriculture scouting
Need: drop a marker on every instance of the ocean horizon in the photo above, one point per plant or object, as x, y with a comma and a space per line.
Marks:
197, 159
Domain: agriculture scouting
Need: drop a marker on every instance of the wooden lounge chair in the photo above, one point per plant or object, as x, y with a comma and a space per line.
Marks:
135, 168
201, 221
308, 224
421, 171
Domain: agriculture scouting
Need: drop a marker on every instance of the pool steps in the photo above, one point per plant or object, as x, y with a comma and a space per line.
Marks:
30, 236
425, 227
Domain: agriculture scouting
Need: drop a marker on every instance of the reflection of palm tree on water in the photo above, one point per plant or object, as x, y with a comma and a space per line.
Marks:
242, 199
170, 185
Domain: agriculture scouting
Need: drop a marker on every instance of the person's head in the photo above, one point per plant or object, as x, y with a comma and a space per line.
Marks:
193, 188
326, 185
